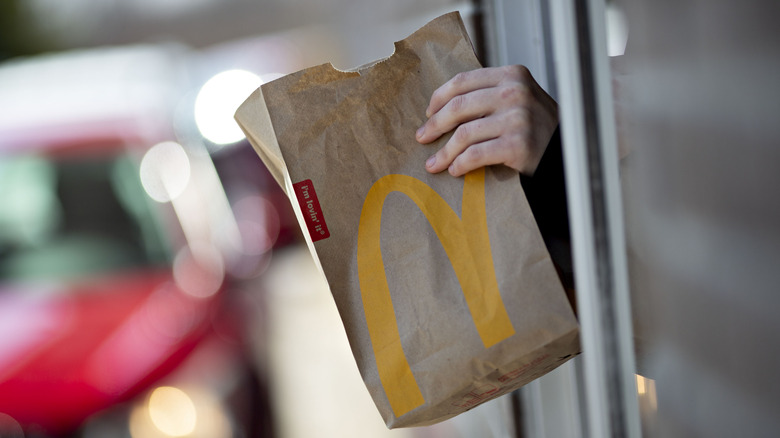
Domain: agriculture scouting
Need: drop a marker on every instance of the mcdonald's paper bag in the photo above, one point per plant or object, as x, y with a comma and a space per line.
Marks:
446, 291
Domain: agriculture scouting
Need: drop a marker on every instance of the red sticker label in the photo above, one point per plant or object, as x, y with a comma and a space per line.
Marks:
310, 207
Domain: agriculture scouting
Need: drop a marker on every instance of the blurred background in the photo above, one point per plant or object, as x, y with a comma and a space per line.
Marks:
152, 277
153, 281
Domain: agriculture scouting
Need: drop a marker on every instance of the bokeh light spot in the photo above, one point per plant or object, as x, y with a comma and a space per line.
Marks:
217, 102
199, 270
172, 411
165, 171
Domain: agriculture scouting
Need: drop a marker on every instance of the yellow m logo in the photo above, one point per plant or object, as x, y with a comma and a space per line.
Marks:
467, 245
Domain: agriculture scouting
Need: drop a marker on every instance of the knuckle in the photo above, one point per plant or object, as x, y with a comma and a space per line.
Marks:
458, 167
518, 118
437, 94
474, 155
432, 124
457, 103
515, 94
448, 154
518, 72
510, 93
438, 98
463, 133
458, 79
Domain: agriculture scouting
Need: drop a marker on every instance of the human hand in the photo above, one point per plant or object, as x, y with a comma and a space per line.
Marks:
500, 116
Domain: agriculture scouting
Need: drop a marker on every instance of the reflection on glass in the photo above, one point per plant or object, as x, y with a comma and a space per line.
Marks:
648, 405
218, 100
617, 30
647, 396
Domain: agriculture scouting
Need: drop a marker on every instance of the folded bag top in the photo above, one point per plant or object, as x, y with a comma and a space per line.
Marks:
445, 288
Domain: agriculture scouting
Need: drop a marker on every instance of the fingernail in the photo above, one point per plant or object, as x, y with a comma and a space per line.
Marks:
421, 131
431, 161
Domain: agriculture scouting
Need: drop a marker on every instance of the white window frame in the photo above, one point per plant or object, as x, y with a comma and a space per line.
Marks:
594, 395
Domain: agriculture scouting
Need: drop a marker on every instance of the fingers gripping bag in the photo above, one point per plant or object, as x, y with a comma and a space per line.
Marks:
447, 293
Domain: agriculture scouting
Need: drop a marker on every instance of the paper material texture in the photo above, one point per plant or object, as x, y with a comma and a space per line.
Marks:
445, 288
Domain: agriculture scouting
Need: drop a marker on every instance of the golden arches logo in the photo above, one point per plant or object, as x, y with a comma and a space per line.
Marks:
467, 245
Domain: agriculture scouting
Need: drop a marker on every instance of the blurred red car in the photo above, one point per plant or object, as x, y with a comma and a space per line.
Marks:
116, 244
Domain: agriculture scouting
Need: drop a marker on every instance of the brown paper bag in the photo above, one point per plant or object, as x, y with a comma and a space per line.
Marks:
447, 293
